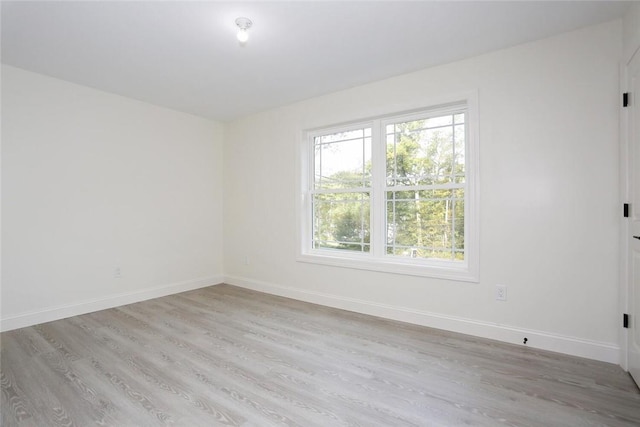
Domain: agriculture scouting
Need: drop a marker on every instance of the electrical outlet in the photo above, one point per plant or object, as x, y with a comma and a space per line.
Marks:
245, 260
117, 273
501, 293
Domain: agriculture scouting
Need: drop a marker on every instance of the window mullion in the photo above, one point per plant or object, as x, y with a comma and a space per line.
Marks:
378, 197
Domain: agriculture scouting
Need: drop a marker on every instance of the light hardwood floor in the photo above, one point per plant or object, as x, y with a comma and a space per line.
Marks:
228, 356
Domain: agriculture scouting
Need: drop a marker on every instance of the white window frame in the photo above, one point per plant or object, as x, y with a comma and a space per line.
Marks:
377, 260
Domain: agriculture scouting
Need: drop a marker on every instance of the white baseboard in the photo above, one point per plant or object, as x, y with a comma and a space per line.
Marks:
83, 307
606, 352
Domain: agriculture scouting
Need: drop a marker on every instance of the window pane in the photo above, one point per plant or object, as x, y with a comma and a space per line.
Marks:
390, 129
426, 224
459, 158
391, 158
343, 160
340, 136
439, 121
341, 221
426, 152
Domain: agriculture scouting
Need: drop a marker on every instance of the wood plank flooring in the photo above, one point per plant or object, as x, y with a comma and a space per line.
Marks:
228, 356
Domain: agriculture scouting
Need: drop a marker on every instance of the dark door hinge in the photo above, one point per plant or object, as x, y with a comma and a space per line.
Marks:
625, 320
625, 99
625, 210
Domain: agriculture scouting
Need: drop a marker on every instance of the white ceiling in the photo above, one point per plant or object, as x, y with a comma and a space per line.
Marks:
184, 55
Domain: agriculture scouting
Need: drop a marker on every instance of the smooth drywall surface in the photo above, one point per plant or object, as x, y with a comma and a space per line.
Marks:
93, 183
549, 211
631, 31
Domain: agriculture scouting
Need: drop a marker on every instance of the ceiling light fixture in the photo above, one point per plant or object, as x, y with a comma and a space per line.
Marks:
243, 24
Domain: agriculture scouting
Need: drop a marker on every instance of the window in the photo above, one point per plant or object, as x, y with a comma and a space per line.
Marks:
341, 190
394, 193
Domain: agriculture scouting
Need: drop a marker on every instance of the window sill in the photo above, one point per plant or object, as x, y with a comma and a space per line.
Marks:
434, 269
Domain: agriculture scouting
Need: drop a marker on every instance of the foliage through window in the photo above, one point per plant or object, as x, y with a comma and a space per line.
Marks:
391, 190
425, 187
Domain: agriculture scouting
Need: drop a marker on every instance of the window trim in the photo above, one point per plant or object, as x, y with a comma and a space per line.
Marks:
376, 260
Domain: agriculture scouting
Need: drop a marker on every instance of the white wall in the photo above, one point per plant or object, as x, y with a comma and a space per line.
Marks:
631, 31
93, 181
548, 198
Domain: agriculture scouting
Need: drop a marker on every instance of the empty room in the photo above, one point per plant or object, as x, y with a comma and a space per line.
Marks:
320, 213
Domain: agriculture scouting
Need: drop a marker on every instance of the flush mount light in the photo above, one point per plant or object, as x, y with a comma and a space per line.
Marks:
243, 24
